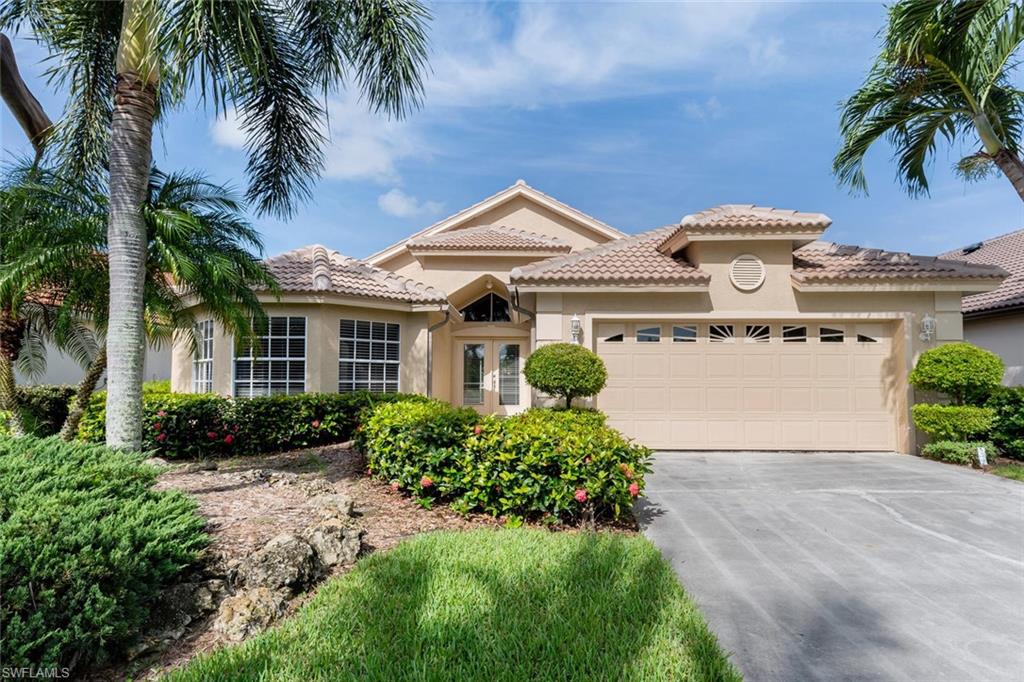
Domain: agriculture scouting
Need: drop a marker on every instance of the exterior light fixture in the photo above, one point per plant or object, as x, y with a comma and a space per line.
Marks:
927, 328
576, 328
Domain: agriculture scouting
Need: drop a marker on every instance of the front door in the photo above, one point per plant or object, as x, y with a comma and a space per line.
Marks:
489, 375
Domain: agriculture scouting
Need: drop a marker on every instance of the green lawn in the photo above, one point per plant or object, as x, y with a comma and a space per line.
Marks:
1014, 471
489, 605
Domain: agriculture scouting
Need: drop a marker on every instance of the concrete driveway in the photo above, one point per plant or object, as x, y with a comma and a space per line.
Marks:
847, 566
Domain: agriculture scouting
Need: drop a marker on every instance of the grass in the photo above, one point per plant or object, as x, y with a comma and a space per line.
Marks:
1014, 471
489, 605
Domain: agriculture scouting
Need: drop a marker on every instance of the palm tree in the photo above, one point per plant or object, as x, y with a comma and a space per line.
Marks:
274, 63
944, 70
200, 252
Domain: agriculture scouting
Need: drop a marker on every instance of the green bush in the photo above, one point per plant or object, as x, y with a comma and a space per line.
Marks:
543, 464
44, 408
208, 425
86, 544
957, 452
1008, 432
565, 370
964, 372
953, 422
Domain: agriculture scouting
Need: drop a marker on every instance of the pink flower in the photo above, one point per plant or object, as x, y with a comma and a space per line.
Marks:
634, 489
627, 470
156, 427
161, 437
316, 423
161, 413
212, 435
581, 495
426, 482
477, 430
229, 439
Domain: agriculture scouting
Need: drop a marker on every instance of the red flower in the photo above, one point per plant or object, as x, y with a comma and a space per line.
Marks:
581, 495
426, 482
316, 423
156, 427
161, 437
634, 489
229, 439
477, 430
212, 435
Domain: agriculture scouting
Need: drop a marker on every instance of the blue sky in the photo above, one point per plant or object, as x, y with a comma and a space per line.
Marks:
634, 113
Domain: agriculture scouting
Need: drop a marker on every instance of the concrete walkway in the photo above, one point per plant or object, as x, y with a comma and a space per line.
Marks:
847, 566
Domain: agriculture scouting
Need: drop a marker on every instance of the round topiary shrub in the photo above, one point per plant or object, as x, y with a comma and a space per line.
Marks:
964, 372
565, 370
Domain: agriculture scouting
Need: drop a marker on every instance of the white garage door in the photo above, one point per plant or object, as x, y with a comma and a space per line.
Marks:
752, 385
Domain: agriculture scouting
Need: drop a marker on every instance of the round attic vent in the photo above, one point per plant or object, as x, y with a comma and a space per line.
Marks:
746, 272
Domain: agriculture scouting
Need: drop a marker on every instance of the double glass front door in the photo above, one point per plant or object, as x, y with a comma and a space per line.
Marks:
491, 375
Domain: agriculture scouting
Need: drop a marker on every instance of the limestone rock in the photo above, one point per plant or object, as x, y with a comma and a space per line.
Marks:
336, 506
336, 541
286, 562
249, 612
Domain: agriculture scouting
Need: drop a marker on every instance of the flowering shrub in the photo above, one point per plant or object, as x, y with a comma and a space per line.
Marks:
206, 425
557, 465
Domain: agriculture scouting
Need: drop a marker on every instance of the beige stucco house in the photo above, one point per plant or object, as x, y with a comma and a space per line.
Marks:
736, 328
995, 319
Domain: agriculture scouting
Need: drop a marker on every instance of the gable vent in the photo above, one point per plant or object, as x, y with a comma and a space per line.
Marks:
747, 272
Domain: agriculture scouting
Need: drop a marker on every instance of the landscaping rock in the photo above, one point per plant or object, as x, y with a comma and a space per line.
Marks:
249, 612
316, 486
203, 465
157, 462
336, 541
335, 506
286, 562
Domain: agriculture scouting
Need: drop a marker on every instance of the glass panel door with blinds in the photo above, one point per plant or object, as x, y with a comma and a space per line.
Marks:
490, 376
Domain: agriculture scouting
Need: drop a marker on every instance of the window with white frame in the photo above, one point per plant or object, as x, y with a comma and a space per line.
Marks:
276, 363
648, 334
368, 356
202, 363
686, 333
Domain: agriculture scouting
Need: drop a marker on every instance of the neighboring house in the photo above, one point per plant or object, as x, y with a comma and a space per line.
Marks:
995, 319
61, 369
733, 329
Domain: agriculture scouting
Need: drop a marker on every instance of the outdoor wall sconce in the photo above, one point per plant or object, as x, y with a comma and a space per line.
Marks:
927, 328
576, 328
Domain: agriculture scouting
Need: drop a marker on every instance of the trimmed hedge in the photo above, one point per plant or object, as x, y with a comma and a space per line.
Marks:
565, 370
953, 422
554, 465
208, 425
43, 408
964, 372
957, 452
86, 544
1008, 432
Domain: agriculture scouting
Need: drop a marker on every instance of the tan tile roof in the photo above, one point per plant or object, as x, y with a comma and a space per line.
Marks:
1006, 251
489, 238
822, 261
731, 218
630, 261
317, 268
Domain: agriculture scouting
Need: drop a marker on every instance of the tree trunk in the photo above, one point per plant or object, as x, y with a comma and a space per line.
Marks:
23, 105
85, 390
12, 331
1012, 168
130, 159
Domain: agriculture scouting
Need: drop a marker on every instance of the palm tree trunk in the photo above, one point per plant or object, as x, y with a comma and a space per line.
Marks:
1012, 168
85, 390
131, 154
11, 331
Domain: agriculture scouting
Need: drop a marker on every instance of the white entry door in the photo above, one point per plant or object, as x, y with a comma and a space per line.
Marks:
489, 376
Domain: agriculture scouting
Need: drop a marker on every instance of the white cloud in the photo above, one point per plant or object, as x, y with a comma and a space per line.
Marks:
708, 110
225, 131
397, 203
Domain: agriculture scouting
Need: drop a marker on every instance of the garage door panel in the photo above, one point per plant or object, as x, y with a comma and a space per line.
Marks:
808, 394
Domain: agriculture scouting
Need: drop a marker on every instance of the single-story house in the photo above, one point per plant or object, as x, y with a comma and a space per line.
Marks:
995, 319
735, 328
